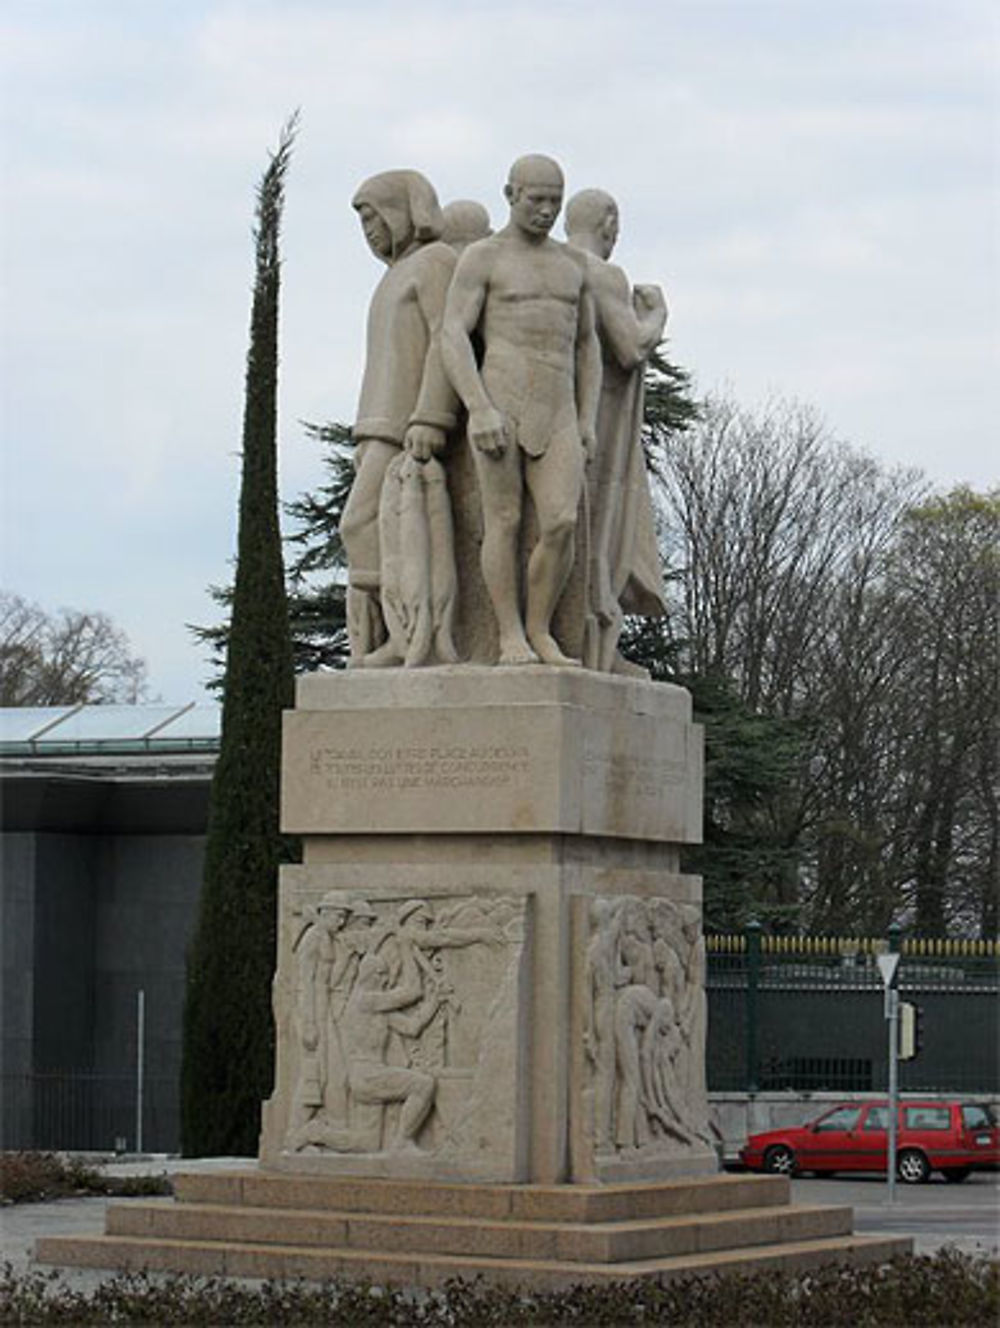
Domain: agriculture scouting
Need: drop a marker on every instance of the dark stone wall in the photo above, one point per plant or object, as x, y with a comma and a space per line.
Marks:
91, 912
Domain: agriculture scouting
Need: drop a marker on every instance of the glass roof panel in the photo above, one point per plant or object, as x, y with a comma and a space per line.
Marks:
111, 723
201, 721
21, 723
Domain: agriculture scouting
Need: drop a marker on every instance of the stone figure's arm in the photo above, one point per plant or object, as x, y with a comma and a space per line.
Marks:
414, 1023
466, 297
434, 412
408, 991
588, 372
439, 938
632, 323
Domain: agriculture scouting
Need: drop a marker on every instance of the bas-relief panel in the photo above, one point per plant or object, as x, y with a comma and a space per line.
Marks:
402, 1027
640, 1030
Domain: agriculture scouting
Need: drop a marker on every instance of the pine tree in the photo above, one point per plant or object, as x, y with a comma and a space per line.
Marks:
228, 1031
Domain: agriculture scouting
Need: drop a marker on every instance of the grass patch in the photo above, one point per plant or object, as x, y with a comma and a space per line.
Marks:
948, 1288
28, 1177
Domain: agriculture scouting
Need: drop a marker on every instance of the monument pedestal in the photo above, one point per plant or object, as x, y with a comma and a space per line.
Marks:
489, 984
507, 840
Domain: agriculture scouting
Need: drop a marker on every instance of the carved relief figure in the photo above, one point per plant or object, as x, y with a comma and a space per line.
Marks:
374, 1010
625, 571
406, 403
323, 959
532, 404
642, 1026
606, 973
375, 1003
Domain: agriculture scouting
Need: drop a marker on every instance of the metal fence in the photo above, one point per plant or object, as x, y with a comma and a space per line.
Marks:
805, 1013
87, 1111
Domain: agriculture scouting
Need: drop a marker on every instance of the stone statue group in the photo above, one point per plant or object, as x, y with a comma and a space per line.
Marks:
510, 364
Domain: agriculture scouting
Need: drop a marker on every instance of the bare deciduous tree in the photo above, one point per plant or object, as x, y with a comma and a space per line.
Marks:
65, 658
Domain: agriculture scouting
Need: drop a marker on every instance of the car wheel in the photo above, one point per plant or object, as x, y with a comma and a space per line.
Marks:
780, 1161
956, 1174
912, 1167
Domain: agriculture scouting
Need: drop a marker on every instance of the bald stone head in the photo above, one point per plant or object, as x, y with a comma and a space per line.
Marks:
464, 222
534, 190
592, 221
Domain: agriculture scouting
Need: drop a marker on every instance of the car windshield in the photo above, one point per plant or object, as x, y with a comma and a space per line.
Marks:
841, 1118
978, 1116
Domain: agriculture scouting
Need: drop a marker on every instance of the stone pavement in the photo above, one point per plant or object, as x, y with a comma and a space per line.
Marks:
935, 1214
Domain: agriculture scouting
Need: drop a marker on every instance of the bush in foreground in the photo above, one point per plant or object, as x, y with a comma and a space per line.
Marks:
948, 1288
27, 1177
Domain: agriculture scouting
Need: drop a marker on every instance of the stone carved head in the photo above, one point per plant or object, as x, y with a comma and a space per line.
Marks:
398, 209
592, 216
333, 907
465, 221
414, 912
534, 190
361, 911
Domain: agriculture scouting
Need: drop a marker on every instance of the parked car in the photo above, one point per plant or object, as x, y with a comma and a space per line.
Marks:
952, 1137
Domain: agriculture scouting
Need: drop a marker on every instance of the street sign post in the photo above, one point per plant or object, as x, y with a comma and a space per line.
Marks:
888, 966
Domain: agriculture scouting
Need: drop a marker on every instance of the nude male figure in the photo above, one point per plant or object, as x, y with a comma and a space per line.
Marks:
533, 403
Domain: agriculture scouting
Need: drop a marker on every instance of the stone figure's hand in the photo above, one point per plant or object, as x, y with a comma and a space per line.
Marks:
310, 1039
589, 442
649, 299
488, 432
423, 441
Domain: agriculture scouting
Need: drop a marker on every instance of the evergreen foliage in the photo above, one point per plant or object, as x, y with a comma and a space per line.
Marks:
317, 569
228, 1031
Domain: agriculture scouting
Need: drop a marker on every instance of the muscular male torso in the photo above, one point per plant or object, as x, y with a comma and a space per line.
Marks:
530, 325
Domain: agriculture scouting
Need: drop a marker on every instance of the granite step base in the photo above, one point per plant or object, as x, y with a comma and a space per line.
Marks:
268, 1225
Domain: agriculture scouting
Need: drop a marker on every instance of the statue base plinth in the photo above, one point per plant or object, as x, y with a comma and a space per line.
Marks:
505, 843
539, 1238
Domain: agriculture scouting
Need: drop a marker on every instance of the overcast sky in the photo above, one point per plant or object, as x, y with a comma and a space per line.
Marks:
814, 184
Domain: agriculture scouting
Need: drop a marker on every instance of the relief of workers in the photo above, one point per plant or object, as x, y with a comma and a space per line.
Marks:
406, 404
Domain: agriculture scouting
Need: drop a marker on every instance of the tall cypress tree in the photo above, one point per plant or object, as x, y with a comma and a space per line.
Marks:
228, 1031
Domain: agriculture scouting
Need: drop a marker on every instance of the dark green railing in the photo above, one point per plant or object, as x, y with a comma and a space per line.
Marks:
805, 1013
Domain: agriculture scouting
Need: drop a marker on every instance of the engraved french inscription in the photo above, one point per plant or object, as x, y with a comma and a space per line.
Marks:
396, 768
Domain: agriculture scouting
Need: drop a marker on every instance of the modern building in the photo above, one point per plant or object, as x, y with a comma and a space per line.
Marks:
103, 812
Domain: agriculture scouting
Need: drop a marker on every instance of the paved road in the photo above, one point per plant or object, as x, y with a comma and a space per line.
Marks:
935, 1214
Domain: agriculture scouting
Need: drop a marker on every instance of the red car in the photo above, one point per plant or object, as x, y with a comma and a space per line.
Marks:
951, 1137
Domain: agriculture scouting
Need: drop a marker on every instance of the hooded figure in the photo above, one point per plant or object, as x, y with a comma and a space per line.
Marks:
406, 399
